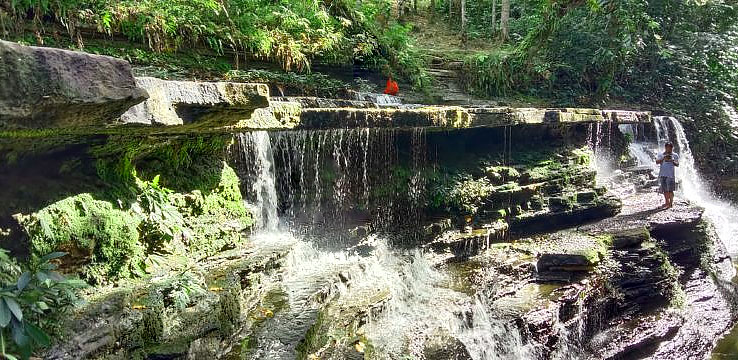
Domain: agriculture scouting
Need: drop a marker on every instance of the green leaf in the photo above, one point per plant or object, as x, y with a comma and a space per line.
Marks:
38, 335
42, 277
10, 357
53, 275
42, 305
52, 256
19, 335
23, 280
4, 314
48, 266
14, 308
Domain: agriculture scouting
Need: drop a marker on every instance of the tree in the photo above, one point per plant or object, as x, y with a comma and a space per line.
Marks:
463, 21
504, 21
494, 16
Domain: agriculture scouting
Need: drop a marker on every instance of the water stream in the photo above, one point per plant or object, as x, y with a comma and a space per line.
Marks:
255, 152
313, 179
692, 186
406, 285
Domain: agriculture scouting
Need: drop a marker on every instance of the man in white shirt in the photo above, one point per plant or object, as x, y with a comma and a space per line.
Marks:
668, 161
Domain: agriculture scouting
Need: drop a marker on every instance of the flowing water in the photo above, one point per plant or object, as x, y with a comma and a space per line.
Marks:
316, 177
404, 284
722, 214
255, 152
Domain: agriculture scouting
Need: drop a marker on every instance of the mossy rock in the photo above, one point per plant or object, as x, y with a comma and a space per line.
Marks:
500, 174
100, 237
630, 238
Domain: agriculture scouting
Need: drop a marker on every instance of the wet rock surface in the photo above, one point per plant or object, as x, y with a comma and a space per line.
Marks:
139, 321
649, 294
52, 88
458, 117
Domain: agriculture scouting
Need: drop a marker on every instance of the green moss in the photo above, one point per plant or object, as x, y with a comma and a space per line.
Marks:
500, 174
94, 230
216, 216
229, 314
315, 338
538, 174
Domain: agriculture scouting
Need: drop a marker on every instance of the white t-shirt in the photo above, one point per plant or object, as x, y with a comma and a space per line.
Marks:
667, 167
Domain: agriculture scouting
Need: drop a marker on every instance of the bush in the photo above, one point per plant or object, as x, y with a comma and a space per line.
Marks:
32, 303
290, 33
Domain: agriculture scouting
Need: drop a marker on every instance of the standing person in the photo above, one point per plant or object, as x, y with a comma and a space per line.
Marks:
667, 161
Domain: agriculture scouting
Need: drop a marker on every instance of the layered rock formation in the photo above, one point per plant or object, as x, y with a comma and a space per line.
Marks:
459, 117
188, 102
52, 88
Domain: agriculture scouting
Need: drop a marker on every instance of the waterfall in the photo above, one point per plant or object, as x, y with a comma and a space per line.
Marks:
380, 100
339, 178
316, 178
256, 153
723, 215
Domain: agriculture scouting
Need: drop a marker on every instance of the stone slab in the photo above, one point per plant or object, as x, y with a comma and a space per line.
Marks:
459, 117
187, 102
53, 88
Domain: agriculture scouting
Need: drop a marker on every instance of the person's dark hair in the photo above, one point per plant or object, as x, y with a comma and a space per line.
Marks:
669, 144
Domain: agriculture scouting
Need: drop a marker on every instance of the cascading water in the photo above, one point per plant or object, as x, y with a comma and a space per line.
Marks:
599, 140
412, 285
256, 152
323, 177
721, 214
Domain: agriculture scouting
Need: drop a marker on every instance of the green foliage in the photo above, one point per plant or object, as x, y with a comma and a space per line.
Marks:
31, 304
161, 220
403, 56
467, 194
310, 84
290, 33
669, 55
94, 230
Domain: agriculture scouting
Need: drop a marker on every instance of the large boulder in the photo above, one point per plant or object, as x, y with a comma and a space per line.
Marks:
50, 88
188, 102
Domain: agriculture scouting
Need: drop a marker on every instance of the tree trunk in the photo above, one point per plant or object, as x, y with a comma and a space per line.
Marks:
494, 17
463, 21
504, 21
433, 7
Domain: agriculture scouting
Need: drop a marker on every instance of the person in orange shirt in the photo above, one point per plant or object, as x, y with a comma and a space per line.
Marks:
392, 88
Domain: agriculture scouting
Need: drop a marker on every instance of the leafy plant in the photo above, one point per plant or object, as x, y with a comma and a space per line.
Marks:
467, 194
31, 302
161, 220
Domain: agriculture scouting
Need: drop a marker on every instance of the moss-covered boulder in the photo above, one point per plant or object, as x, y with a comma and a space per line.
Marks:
45, 87
102, 238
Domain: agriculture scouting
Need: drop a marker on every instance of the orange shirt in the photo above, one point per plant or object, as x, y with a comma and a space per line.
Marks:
392, 88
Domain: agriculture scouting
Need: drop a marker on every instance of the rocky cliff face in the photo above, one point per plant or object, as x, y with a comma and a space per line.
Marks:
52, 88
437, 233
188, 102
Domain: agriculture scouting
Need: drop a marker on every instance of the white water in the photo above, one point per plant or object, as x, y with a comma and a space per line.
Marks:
404, 295
264, 183
692, 186
411, 304
379, 100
